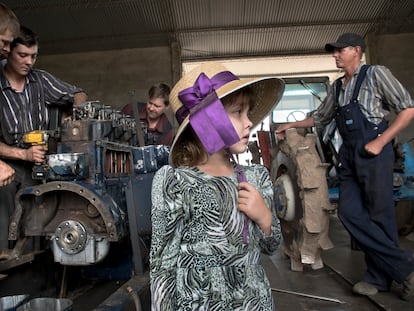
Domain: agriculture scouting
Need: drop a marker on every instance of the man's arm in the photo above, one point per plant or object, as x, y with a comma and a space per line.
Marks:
306, 123
78, 98
396, 96
36, 154
58, 91
401, 122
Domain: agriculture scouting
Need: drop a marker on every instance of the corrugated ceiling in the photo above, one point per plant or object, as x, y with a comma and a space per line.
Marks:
205, 29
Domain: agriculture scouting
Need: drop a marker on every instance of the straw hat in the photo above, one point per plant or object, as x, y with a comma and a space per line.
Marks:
266, 92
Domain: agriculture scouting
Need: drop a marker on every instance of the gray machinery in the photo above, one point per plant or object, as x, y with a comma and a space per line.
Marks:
94, 190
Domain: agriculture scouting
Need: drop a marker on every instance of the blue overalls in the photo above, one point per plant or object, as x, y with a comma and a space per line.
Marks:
366, 203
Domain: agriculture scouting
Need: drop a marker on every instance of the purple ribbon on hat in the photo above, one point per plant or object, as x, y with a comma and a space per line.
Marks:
208, 117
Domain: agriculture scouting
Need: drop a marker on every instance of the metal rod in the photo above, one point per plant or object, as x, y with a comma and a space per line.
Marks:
64, 282
307, 295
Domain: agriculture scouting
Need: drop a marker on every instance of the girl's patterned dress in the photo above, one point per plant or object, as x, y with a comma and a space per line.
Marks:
198, 259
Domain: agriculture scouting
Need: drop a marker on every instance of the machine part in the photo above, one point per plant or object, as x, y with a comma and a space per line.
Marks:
38, 138
95, 191
135, 194
264, 139
71, 236
285, 197
135, 298
58, 210
91, 211
295, 115
68, 166
255, 152
121, 299
93, 251
47, 303
404, 187
12, 302
140, 129
404, 211
37, 208
64, 283
15, 257
303, 201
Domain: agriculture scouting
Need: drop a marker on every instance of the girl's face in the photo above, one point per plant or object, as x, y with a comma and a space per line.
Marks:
238, 112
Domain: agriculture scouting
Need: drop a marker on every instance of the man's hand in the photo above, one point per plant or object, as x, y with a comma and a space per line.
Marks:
36, 153
280, 131
252, 204
374, 147
79, 98
6, 174
305, 123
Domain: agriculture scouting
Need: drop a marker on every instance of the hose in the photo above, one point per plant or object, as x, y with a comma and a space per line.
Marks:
135, 298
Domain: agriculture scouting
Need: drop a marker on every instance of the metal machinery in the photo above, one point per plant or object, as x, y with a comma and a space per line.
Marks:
94, 190
302, 168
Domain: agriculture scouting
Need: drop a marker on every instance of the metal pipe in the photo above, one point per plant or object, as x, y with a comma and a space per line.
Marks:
307, 295
135, 298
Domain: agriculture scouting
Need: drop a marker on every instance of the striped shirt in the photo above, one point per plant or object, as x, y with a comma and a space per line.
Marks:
25, 111
380, 93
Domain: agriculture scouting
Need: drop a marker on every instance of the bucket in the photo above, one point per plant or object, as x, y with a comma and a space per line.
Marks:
10, 303
49, 304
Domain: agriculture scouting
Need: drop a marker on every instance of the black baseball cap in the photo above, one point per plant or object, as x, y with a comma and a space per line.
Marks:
347, 39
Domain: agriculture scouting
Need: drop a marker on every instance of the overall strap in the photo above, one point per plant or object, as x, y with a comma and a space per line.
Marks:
361, 76
338, 85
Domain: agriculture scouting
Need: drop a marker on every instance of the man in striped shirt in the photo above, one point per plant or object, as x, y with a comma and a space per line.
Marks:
359, 102
26, 96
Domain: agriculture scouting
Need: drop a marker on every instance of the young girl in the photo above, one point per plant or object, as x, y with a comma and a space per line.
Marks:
211, 218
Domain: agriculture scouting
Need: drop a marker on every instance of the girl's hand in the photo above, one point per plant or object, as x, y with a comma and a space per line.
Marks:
252, 204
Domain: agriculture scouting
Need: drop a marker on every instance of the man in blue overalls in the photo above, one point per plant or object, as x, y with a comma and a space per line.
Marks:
358, 102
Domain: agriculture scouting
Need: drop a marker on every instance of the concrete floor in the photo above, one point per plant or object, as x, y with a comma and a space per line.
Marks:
343, 267
329, 288
332, 284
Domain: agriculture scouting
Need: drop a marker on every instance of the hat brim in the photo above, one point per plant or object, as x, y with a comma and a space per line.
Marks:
267, 93
330, 47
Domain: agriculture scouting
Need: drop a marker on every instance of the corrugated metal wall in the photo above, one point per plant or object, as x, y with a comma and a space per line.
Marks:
209, 28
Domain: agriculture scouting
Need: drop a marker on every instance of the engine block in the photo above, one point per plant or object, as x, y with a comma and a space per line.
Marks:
95, 175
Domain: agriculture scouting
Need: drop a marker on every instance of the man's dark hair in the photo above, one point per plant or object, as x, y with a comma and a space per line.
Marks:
160, 90
26, 37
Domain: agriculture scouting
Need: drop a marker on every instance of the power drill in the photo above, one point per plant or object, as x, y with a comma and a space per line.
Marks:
37, 138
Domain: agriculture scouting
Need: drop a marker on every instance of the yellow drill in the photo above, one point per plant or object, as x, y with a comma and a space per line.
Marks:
37, 138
